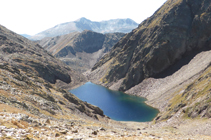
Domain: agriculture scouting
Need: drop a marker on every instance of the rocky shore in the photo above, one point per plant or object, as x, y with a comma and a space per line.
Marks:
24, 126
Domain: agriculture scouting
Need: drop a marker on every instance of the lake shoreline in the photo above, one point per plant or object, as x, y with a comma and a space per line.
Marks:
117, 105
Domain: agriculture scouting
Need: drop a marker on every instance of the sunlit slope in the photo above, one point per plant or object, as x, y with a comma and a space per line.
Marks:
174, 32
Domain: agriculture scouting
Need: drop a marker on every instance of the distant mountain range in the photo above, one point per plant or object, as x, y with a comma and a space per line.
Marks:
80, 50
25, 35
109, 26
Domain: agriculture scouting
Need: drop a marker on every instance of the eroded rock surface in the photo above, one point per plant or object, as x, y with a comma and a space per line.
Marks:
80, 50
177, 31
30, 79
167, 60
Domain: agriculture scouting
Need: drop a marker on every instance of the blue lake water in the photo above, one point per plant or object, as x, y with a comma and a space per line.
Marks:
117, 105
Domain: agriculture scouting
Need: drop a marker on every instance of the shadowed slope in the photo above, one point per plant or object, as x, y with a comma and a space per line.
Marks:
177, 29
80, 50
28, 77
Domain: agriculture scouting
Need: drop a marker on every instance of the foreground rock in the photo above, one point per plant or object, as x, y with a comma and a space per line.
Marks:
25, 126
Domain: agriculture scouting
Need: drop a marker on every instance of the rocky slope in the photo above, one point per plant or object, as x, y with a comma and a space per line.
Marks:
110, 26
167, 60
192, 101
177, 96
29, 77
33, 107
177, 31
26, 126
80, 50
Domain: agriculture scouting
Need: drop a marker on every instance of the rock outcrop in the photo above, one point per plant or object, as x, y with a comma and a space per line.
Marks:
167, 60
191, 101
110, 26
26, 126
29, 77
80, 50
19, 53
176, 31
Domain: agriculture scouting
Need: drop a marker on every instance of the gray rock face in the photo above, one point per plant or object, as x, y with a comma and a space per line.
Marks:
30, 57
81, 50
110, 26
177, 29
29, 76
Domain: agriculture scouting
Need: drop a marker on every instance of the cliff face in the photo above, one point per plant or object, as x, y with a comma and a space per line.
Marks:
179, 29
23, 54
80, 50
28, 78
167, 60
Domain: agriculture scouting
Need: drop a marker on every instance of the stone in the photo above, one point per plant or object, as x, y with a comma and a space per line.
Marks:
75, 131
64, 132
48, 121
94, 132
57, 135
102, 129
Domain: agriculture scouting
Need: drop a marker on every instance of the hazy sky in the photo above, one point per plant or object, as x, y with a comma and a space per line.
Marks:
33, 16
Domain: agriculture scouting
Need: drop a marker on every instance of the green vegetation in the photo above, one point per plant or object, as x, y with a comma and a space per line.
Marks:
195, 99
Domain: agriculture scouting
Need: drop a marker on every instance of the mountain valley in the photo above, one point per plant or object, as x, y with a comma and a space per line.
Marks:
33, 106
165, 59
80, 50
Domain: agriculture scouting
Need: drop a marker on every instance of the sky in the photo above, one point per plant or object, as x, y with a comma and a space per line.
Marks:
33, 16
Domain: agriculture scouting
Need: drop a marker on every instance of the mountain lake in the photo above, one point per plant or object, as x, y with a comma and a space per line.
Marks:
116, 105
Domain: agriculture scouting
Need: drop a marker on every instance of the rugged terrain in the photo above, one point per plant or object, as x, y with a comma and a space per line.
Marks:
32, 106
167, 60
22, 125
110, 26
80, 50
177, 30
30, 77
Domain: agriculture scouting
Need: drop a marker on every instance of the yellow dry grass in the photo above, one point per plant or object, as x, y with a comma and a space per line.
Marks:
20, 124
10, 109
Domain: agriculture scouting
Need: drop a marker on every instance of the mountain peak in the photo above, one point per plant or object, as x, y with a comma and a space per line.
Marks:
82, 19
108, 26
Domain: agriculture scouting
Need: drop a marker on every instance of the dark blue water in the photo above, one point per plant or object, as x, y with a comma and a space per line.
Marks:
116, 105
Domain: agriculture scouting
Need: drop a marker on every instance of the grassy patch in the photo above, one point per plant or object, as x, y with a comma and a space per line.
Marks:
196, 96
20, 124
